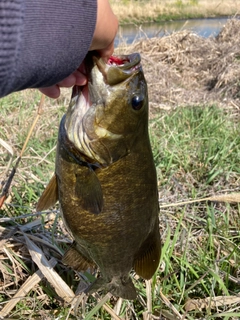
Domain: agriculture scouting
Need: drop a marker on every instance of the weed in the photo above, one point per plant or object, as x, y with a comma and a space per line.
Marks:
196, 152
198, 146
129, 11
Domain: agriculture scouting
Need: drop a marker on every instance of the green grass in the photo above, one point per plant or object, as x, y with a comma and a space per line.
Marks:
37, 165
201, 143
196, 151
141, 11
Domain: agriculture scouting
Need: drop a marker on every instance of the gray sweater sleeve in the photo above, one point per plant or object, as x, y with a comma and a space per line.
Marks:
43, 41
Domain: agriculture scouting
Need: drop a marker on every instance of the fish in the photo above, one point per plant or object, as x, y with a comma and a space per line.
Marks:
105, 178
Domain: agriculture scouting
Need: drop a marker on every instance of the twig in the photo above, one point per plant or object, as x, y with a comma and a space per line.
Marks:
25, 288
170, 305
148, 314
107, 307
230, 198
10, 178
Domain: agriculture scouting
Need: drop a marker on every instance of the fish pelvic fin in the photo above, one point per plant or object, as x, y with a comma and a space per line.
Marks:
88, 188
147, 259
49, 196
76, 260
119, 286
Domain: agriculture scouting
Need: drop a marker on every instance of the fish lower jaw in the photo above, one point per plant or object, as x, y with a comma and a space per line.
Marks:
104, 133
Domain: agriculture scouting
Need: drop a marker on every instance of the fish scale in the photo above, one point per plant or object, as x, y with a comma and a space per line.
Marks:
108, 197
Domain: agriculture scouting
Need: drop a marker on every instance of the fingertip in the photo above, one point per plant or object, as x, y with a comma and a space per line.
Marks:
106, 53
81, 78
68, 81
52, 92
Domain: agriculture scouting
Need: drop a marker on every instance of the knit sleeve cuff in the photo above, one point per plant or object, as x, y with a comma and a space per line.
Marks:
52, 40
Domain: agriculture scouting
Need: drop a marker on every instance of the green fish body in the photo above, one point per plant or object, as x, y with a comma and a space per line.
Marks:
106, 179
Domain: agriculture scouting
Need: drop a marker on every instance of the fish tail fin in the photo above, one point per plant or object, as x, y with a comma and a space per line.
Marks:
119, 287
125, 290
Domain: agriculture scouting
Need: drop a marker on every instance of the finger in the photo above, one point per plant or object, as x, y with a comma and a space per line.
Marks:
51, 92
106, 27
68, 82
76, 78
82, 68
80, 78
107, 52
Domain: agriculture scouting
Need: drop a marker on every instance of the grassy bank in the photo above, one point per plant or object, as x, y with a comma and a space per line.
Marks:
196, 152
194, 98
140, 11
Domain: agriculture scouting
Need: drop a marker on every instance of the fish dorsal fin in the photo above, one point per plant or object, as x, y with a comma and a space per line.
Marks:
76, 260
147, 259
88, 188
49, 196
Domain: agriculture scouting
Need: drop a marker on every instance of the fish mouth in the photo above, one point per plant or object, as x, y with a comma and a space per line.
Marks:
118, 68
102, 78
100, 75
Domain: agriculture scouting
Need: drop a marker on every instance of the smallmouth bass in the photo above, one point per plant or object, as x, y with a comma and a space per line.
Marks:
105, 178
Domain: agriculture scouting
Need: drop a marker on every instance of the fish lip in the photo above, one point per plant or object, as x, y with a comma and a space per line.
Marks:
130, 66
104, 78
113, 72
129, 61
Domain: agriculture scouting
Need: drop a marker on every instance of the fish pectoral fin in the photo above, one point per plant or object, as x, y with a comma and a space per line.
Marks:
89, 190
148, 257
49, 196
76, 260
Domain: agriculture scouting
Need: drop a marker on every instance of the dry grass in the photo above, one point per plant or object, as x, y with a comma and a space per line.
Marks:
187, 69
154, 10
198, 277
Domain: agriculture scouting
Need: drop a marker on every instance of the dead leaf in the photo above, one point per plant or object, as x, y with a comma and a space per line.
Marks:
211, 302
61, 288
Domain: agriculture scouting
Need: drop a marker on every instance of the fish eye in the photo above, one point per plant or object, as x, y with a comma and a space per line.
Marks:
137, 102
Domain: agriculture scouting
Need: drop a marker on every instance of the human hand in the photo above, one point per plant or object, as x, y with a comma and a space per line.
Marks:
76, 78
102, 42
105, 30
